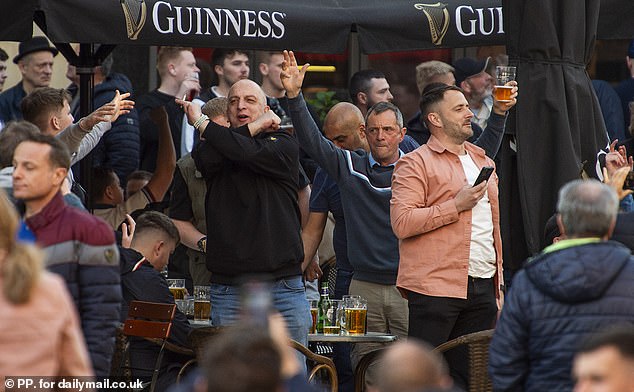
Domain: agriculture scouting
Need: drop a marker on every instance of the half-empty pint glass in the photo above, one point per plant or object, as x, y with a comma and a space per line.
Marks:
202, 303
503, 75
177, 288
332, 321
356, 312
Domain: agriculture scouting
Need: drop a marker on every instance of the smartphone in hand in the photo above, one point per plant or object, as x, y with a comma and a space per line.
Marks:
484, 175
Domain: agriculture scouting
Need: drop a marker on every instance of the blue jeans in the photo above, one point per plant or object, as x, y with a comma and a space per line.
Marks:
288, 298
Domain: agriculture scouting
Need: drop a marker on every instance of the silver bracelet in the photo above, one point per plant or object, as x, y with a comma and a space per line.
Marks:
200, 120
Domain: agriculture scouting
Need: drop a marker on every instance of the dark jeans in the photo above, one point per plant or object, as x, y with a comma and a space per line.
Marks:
437, 320
341, 351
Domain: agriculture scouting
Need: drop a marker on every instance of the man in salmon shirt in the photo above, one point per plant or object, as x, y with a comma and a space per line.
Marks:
450, 248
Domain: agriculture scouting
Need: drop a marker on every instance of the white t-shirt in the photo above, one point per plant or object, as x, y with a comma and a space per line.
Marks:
481, 251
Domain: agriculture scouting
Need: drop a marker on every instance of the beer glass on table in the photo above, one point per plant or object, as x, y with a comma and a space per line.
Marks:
332, 321
313, 314
202, 304
177, 288
503, 75
355, 315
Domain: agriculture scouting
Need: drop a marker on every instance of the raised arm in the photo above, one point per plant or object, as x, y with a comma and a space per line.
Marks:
491, 138
326, 154
165, 157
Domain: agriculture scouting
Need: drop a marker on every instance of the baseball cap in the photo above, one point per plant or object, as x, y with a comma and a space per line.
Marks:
467, 67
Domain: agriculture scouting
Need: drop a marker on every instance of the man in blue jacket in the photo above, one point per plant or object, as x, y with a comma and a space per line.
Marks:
568, 292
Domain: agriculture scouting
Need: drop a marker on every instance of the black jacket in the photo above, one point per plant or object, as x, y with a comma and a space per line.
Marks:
10, 103
253, 218
146, 284
149, 131
118, 149
557, 301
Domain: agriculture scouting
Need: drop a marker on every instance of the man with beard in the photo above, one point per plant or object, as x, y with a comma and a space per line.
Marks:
477, 85
450, 267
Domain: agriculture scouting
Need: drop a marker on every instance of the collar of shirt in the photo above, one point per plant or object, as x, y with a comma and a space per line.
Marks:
374, 163
569, 243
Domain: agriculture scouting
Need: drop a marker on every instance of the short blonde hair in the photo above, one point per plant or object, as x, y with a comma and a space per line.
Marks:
428, 70
166, 54
215, 107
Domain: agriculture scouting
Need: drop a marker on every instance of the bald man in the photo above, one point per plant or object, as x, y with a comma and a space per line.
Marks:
344, 126
411, 366
252, 212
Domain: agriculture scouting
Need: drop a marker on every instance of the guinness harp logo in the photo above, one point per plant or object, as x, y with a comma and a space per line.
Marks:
134, 12
438, 18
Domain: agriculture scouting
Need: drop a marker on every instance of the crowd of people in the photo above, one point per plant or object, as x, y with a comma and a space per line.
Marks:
226, 182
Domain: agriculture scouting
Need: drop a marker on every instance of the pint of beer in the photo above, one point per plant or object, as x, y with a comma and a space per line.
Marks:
177, 288
503, 75
355, 315
355, 321
503, 93
178, 292
332, 321
313, 315
202, 310
202, 303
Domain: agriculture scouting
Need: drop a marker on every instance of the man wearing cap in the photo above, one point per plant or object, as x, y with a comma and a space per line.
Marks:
477, 85
489, 139
35, 61
625, 89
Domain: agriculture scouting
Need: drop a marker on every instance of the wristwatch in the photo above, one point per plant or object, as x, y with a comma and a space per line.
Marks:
202, 244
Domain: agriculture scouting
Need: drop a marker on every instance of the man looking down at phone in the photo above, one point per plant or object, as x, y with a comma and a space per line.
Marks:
450, 248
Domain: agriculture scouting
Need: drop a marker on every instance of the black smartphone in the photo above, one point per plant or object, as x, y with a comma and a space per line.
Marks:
484, 175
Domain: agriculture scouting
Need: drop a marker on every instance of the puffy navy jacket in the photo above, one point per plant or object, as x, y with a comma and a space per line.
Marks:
556, 301
119, 148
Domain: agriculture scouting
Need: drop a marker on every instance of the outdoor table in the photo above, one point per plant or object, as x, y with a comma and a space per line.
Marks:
369, 337
367, 359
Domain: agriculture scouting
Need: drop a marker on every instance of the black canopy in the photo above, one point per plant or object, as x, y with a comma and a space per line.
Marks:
557, 123
311, 26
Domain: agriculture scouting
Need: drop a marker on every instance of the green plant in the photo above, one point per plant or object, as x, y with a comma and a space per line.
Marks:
323, 102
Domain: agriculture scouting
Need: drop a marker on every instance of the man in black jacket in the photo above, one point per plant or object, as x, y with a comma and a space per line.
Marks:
177, 69
118, 149
155, 237
252, 214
